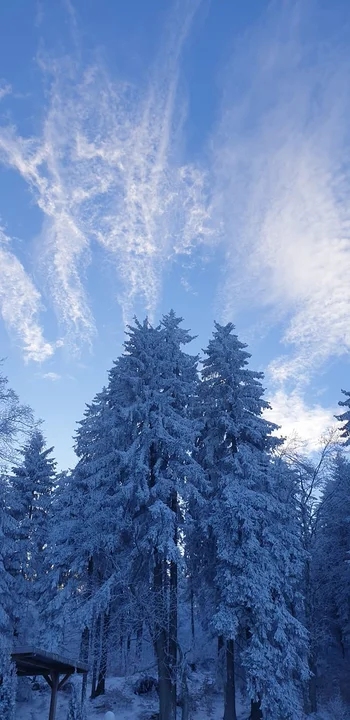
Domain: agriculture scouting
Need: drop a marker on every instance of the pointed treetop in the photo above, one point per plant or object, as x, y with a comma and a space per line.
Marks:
345, 417
171, 324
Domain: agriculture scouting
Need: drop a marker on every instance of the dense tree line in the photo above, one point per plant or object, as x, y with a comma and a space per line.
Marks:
187, 531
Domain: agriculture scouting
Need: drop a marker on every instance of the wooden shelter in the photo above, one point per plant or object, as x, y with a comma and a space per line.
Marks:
54, 668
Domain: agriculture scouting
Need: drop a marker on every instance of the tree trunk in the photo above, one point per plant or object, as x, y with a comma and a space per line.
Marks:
185, 699
101, 682
309, 610
173, 636
255, 710
220, 644
161, 642
139, 636
193, 626
85, 638
173, 610
84, 654
230, 690
193, 630
255, 705
312, 686
96, 654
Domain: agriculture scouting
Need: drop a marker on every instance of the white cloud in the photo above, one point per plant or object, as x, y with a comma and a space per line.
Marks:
20, 304
283, 182
5, 89
296, 418
65, 247
51, 376
106, 168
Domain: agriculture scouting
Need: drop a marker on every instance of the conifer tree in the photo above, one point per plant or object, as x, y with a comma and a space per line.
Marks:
8, 685
331, 576
130, 496
152, 385
33, 484
251, 529
345, 417
8, 549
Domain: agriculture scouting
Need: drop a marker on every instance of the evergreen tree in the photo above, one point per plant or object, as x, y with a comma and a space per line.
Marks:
86, 539
60, 576
252, 533
8, 550
100, 524
152, 384
345, 417
33, 483
331, 576
15, 422
8, 684
130, 495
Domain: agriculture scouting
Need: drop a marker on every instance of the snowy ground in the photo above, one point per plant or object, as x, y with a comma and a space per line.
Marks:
207, 704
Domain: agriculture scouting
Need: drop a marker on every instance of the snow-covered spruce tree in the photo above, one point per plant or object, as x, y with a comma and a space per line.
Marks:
15, 422
119, 531
331, 578
72, 539
87, 540
8, 684
9, 536
253, 543
152, 385
345, 417
33, 484
97, 480
61, 571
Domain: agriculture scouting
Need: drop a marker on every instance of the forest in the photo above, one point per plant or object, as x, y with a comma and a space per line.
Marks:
191, 551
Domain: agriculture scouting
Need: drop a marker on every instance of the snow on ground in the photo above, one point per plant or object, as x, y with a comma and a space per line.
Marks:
207, 703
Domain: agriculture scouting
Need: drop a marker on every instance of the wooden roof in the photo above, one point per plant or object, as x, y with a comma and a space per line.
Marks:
33, 661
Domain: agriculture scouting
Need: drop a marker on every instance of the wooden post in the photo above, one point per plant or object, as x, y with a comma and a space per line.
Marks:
55, 678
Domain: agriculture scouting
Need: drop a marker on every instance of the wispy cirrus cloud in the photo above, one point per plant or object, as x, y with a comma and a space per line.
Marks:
106, 169
20, 304
283, 183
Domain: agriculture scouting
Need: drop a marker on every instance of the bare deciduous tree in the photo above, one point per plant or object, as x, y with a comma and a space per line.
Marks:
16, 422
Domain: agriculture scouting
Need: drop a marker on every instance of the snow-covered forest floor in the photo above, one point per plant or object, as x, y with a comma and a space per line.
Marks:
120, 697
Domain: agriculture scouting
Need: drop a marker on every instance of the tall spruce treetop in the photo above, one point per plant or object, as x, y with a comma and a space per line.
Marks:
253, 530
234, 394
33, 483
153, 385
134, 447
345, 417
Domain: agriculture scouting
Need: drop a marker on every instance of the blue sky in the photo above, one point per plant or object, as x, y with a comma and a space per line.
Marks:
188, 154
